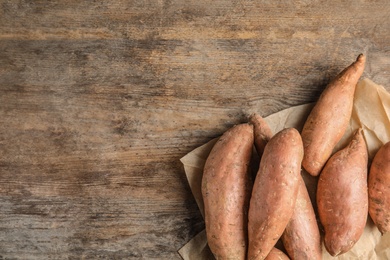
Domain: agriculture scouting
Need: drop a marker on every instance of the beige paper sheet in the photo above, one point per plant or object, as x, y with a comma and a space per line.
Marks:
371, 111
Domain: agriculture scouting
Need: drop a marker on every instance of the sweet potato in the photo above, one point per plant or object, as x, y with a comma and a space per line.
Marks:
342, 196
262, 132
226, 190
329, 118
379, 189
301, 237
276, 254
274, 192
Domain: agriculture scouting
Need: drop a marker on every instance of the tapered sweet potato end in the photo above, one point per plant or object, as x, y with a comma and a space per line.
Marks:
262, 132
336, 246
361, 58
311, 166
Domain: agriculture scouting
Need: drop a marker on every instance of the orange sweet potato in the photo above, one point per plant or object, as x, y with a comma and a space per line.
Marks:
329, 118
274, 192
226, 189
379, 189
342, 196
276, 254
301, 237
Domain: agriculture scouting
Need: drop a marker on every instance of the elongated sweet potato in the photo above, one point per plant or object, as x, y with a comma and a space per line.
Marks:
379, 189
226, 190
276, 254
342, 196
301, 237
274, 192
262, 132
329, 118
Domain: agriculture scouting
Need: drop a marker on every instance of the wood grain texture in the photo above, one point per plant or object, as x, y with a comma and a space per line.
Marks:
99, 100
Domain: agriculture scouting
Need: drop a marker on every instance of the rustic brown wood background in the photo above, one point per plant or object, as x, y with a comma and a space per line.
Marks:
100, 99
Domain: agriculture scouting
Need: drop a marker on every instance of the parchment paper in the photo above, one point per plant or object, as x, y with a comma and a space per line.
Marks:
371, 111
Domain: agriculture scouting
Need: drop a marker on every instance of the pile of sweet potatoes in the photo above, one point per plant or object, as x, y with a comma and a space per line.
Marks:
246, 217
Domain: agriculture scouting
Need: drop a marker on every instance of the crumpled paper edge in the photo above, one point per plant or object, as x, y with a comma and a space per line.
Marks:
371, 111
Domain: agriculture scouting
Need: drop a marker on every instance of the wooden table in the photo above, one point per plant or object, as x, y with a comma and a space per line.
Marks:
100, 99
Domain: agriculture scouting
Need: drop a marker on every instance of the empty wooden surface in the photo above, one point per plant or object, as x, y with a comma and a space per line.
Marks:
100, 99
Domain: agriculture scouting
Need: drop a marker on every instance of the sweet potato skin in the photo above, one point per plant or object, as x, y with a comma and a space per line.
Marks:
301, 237
276, 254
262, 132
274, 192
342, 196
379, 189
329, 118
226, 189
